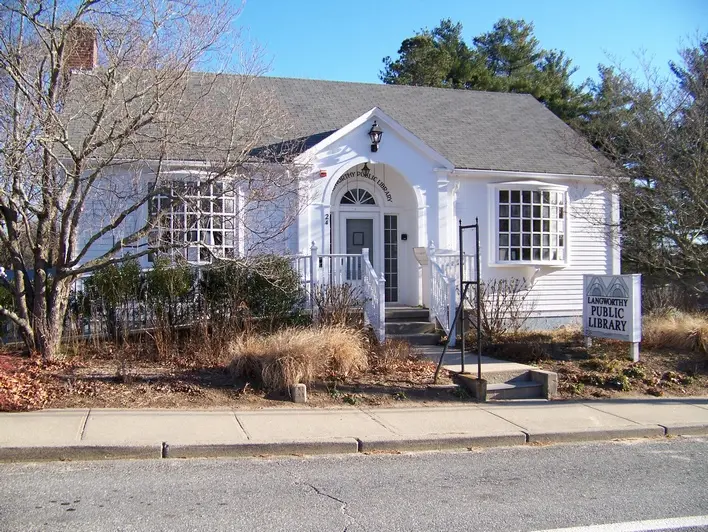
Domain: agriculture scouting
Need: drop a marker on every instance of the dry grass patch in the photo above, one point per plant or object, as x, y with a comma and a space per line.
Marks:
676, 330
293, 356
530, 346
397, 362
389, 356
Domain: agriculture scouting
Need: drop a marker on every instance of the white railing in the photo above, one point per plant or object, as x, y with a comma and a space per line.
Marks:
442, 296
339, 269
327, 269
374, 298
449, 262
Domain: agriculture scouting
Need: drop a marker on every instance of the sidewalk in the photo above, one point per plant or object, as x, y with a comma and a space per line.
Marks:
103, 433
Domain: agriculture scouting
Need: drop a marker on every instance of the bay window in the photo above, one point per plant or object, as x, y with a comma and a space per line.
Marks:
530, 223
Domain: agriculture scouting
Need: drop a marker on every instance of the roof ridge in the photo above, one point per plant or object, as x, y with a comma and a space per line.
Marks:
500, 94
398, 87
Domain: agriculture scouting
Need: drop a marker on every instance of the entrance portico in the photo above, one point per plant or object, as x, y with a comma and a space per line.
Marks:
385, 200
373, 207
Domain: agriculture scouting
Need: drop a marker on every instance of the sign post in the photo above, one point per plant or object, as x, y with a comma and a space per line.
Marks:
612, 308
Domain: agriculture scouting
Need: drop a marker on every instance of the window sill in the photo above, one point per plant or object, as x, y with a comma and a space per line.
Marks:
531, 263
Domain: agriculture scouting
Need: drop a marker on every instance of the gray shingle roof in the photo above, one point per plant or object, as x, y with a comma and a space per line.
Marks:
472, 129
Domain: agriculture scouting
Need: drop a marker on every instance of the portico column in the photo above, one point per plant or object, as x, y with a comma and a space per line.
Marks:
304, 216
445, 213
422, 217
423, 288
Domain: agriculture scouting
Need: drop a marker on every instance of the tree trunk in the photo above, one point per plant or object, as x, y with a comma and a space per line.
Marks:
48, 319
47, 341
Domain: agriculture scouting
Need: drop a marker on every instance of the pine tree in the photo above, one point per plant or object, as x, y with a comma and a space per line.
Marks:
507, 59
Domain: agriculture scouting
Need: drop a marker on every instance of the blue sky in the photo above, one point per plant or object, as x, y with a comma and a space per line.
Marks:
346, 40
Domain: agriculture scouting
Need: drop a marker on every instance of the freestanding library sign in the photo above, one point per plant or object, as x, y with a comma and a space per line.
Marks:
612, 308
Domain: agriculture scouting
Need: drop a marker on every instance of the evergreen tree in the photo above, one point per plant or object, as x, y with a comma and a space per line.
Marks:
507, 59
437, 58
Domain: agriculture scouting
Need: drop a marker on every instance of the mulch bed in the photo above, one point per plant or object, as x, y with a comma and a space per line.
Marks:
605, 370
102, 378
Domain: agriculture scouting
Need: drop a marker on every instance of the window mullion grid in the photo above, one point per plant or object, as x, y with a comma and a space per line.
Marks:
530, 225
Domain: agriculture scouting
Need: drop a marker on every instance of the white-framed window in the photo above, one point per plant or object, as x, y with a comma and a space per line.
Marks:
529, 223
357, 196
198, 228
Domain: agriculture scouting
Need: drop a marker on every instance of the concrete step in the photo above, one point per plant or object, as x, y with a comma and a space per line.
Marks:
409, 327
407, 313
502, 375
517, 389
494, 370
416, 339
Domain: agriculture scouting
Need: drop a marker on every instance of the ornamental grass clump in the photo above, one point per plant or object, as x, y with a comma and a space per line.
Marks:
293, 356
676, 330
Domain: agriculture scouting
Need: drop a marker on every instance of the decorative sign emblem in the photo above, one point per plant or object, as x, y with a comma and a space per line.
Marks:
612, 307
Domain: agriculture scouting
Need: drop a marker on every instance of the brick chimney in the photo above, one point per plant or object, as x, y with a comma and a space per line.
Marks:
81, 48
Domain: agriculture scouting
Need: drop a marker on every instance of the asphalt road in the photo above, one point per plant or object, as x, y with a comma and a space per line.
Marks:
520, 488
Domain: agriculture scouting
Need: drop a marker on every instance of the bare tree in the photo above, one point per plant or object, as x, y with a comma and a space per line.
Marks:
102, 111
655, 132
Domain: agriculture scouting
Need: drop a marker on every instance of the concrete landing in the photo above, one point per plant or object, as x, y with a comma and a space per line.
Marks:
493, 369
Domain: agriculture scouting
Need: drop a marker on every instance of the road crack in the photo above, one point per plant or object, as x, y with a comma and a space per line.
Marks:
349, 518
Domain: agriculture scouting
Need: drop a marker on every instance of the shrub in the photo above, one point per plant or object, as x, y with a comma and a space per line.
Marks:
604, 365
676, 330
267, 286
636, 371
340, 305
115, 284
6, 301
577, 388
619, 382
168, 281
106, 291
293, 356
504, 307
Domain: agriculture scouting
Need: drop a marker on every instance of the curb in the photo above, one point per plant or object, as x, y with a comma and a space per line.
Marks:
333, 446
79, 452
598, 434
253, 448
439, 442
685, 429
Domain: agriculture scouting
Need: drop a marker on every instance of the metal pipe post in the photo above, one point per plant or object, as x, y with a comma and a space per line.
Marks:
479, 305
462, 296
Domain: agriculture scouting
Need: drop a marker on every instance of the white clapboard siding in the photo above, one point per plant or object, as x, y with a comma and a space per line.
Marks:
558, 292
115, 192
